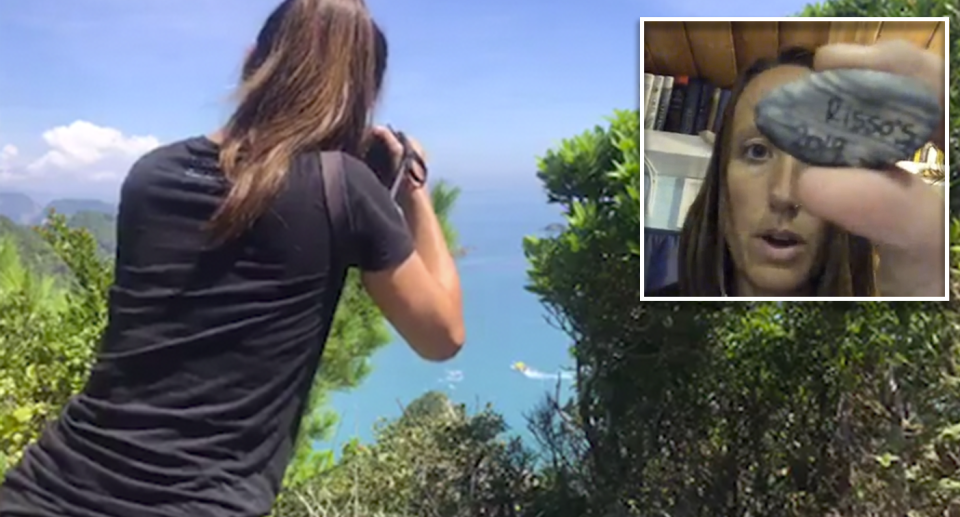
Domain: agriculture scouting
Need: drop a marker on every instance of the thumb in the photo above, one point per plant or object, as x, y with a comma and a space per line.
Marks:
892, 208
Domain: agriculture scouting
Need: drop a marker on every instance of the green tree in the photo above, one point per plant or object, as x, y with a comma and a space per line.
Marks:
596, 178
760, 409
102, 227
35, 254
564, 482
435, 460
16, 278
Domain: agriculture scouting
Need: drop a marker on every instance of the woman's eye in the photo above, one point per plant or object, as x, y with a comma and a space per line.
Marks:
756, 152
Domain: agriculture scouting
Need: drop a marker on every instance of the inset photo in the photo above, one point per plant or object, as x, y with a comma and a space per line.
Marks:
795, 159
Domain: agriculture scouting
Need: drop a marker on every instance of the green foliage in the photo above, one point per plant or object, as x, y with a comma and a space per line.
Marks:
596, 258
808, 408
34, 252
876, 8
444, 197
588, 277
566, 483
735, 409
101, 226
953, 47
434, 460
47, 335
16, 278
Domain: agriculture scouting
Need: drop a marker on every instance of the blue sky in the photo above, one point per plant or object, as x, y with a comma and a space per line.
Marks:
486, 86
86, 86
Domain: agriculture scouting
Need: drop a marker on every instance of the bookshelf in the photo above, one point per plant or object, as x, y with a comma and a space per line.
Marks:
679, 112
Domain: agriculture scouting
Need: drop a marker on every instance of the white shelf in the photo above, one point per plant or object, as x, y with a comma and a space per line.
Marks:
677, 164
675, 154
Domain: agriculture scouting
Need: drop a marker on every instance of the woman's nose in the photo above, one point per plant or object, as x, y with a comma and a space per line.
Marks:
783, 184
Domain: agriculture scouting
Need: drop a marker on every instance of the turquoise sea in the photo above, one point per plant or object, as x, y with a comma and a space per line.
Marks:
505, 323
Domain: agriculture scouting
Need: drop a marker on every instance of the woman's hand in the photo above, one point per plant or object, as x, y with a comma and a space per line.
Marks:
899, 212
408, 186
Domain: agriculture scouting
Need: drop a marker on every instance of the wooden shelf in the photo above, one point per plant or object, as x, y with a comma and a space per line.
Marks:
717, 50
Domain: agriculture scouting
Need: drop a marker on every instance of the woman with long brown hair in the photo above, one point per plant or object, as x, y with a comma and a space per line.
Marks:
757, 228
230, 263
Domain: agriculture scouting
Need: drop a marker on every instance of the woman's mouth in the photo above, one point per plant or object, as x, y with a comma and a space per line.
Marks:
780, 245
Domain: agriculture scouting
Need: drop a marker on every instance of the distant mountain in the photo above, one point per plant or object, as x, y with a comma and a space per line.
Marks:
18, 207
40, 257
18, 212
21, 209
70, 207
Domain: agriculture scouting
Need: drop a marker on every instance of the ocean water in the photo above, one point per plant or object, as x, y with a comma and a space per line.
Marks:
505, 324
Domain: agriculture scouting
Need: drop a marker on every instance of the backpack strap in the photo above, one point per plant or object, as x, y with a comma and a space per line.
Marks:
335, 194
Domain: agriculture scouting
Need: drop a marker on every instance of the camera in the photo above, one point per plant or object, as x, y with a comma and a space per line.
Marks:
381, 161
379, 158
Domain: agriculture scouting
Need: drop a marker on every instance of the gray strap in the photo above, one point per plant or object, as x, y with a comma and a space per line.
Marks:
334, 187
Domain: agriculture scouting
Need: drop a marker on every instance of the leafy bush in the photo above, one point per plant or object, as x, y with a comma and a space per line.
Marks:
434, 460
750, 408
47, 336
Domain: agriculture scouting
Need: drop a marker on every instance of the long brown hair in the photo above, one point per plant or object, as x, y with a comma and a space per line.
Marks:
706, 268
310, 82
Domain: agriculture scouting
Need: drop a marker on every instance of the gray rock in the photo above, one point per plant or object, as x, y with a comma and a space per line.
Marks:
850, 117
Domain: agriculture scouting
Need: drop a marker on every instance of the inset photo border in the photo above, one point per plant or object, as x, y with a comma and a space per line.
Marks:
688, 99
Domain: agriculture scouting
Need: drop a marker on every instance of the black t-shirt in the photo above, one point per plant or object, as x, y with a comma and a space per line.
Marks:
195, 400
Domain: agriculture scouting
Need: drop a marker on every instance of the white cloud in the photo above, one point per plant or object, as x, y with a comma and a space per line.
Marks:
8, 152
452, 378
86, 151
78, 154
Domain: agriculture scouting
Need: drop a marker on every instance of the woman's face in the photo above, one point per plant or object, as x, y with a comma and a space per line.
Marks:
774, 242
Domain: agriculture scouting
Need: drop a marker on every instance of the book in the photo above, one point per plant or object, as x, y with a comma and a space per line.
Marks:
714, 106
721, 109
675, 109
650, 115
703, 108
664, 105
691, 106
647, 86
